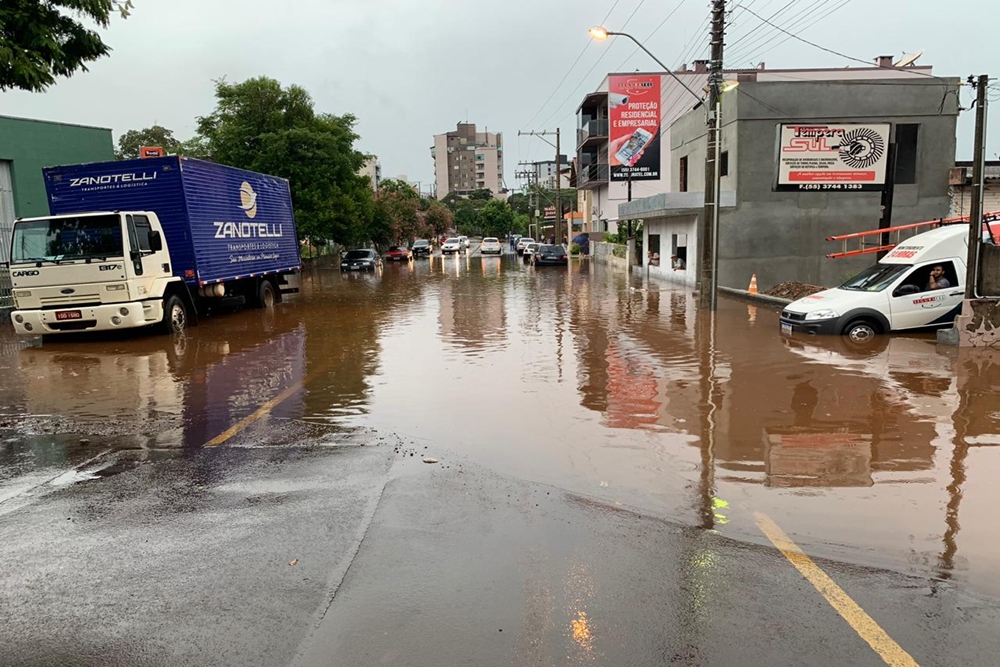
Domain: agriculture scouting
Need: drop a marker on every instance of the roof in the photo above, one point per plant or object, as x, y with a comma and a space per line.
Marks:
992, 169
55, 122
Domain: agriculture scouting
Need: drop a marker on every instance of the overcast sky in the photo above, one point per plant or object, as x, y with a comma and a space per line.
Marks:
409, 70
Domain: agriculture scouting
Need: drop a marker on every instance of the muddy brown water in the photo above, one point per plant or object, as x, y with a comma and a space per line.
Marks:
582, 378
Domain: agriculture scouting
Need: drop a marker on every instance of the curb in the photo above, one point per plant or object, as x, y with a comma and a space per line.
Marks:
764, 299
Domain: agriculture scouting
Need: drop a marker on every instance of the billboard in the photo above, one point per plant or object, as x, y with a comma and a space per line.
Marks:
832, 156
634, 116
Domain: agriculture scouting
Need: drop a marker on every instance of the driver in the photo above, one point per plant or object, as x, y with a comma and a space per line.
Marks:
937, 279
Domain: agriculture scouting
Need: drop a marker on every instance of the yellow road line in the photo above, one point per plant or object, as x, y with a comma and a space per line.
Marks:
891, 652
263, 410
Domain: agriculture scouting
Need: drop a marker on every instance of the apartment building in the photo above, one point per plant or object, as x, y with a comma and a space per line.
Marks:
373, 170
467, 160
545, 173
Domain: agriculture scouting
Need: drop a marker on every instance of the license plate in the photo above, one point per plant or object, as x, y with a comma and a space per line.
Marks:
69, 315
786, 329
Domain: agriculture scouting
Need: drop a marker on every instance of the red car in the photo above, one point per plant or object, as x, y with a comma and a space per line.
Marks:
398, 253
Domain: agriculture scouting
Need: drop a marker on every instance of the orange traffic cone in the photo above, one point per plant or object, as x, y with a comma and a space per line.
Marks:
753, 285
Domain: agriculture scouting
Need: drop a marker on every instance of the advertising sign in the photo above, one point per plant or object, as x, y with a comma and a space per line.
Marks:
634, 116
832, 156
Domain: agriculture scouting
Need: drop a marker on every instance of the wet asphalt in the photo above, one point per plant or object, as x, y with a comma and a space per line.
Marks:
601, 456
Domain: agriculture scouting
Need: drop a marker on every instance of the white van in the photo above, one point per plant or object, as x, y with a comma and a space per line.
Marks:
893, 295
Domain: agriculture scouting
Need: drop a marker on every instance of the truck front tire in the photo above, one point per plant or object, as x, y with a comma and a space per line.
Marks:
175, 317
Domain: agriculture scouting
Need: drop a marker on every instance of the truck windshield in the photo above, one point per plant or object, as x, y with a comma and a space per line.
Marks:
876, 278
59, 239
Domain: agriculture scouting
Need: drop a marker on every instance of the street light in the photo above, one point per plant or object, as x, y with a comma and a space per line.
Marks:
712, 158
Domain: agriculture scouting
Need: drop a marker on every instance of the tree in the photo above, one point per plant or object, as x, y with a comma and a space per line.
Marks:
438, 218
260, 126
519, 203
43, 39
495, 219
130, 142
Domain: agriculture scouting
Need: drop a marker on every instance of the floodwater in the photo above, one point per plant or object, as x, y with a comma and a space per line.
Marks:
579, 378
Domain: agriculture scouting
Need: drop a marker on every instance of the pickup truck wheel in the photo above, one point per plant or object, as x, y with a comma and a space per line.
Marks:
175, 317
861, 332
265, 295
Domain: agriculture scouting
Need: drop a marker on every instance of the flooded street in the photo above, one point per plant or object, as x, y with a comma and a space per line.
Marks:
881, 462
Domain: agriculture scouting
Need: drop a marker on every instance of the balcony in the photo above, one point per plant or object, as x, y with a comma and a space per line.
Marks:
593, 175
592, 132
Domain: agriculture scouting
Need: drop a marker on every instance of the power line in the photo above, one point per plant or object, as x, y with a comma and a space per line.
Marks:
837, 53
801, 27
774, 15
570, 70
584, 79
767, 35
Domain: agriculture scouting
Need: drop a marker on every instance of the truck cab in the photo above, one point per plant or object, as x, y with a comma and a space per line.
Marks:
94, 272
896, 294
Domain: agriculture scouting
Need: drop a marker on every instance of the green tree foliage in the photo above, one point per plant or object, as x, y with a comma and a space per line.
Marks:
130, 142
260, 126
43, 39
519, 203
438, 218
495, 219
521, 222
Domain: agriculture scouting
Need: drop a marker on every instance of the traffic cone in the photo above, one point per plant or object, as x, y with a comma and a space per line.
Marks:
753, 285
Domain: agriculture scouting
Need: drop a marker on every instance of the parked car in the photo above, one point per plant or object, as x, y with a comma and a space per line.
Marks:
491, 245
452, 245
360, 260
530, 249
421, 247
522, 243
553, 255
464, 240
399, 253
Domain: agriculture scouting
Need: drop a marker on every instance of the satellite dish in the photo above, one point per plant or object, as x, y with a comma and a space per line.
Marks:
909, 59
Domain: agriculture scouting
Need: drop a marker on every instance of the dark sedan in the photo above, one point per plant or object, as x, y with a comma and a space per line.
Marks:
552, 255
421, 247
360, 260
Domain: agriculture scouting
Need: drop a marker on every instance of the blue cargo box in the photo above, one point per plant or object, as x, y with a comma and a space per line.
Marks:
220, 223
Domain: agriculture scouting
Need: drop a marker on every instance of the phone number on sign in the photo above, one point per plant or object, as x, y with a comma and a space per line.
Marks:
830, 186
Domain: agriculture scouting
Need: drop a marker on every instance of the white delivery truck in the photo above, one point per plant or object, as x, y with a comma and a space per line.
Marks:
897, 294
151, 242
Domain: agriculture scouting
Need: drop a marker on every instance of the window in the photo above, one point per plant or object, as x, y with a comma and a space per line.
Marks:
724, 163
682, 175
919, 279
142, 229
678, 246
906, 154
653, 254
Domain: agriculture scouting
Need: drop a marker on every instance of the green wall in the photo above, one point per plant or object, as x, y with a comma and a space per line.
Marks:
33, 144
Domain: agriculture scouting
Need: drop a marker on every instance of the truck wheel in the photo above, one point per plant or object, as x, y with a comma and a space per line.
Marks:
175, 317
861, 332
265, 295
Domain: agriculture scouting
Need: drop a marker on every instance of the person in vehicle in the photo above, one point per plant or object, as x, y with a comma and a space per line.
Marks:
937, 279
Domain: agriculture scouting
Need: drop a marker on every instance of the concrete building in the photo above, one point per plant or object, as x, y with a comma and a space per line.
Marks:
467, 160
545, 173
602, 193
26, 146
373, 170
961, 188
779, 233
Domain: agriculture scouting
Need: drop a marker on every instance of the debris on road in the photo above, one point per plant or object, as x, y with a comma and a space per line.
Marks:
793, 290
430, 460
293, 562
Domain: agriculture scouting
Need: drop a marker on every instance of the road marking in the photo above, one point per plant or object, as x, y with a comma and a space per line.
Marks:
891, 652
264, 410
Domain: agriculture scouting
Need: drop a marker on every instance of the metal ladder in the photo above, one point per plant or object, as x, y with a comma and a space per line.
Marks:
895, 234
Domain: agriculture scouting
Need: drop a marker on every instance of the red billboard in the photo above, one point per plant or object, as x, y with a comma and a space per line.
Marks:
634, 115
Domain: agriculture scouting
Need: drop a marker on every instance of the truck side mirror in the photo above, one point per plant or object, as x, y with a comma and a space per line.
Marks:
155, 241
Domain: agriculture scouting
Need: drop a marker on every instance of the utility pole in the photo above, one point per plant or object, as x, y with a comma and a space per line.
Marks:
558, 202
708, 230
978, 173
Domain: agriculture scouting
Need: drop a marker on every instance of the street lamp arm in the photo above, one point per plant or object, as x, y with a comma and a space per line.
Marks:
665, 68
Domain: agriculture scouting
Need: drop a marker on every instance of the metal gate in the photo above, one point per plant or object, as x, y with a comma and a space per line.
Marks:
6, 224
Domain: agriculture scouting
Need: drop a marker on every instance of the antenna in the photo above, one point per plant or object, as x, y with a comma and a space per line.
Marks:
909, 59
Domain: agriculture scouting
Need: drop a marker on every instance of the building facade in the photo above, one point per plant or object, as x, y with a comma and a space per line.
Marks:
601, 123
779, 233
961, 188
544, 173
466, 160
373, 170
26, 146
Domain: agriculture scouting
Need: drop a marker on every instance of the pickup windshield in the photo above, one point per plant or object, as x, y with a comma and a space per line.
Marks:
67, 239
876, 278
